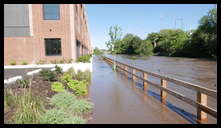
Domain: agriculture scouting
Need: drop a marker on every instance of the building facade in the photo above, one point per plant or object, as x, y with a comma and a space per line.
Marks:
45, 32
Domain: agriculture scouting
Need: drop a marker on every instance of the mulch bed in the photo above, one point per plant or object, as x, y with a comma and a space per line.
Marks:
39, 87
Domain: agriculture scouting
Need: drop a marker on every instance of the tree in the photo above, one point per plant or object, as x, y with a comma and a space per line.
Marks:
97, 51
115, 36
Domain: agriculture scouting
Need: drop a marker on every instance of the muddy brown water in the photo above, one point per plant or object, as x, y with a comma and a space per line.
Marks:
118, 99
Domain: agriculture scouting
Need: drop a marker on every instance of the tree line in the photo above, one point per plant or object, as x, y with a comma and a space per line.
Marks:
201, 42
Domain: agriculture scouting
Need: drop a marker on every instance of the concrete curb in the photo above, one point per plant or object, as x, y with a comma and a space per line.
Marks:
33, 72
13, 79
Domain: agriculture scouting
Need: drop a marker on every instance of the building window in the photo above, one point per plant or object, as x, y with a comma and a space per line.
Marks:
51, 11
52, 46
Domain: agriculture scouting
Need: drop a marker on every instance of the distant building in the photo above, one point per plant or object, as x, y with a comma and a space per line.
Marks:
34, 32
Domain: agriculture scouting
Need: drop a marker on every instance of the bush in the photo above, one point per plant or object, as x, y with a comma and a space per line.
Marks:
58, 70
13, 62
81, 106
79, 87
84, 59
83, 75
66, 77
24, 63
29, 109
63, 100
23, 83
74, 120
54, 116
57, 87
48, 75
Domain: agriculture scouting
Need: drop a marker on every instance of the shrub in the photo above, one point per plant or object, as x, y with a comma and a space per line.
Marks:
79, 87
84, 59
81, 106
58, 70
23, 83
24, 63
66, 77
29, 109
63, 100
83, 75
57, 87
71, 71
13, 62
48, 75
54, 116
74, 120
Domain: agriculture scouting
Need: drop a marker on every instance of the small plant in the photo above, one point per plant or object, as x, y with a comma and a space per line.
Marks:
81, 106
69, 60
48, 75
79, 87
23, 83
29, 109
58, 70
57, 87
53, 116
24, 63
13, 62
63, 100
83, 75
62, 61
41, 62
84, 59
54, 62
66, 77
74, 120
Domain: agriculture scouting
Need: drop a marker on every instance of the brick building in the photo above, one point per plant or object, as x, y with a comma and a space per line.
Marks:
34, 32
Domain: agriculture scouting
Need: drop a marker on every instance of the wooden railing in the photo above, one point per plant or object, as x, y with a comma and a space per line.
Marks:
202, 92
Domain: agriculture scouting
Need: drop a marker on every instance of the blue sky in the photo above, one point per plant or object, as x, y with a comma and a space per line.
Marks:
141, 19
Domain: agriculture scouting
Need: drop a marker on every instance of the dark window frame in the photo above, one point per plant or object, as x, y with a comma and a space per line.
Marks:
44, 18
45, 43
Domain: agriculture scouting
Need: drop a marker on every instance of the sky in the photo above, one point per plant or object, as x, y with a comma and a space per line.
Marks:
141, 19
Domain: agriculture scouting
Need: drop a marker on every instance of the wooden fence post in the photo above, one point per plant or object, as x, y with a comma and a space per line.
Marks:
163, 94
145, 84
134, 72
125, 68
202, 99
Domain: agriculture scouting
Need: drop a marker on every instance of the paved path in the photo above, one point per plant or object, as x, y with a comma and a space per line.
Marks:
118, 101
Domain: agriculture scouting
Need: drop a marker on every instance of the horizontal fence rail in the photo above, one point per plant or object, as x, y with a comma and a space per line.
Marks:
202, 92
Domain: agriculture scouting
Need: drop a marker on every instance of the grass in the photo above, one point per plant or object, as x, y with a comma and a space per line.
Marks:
81, 106
9, 99
28, 108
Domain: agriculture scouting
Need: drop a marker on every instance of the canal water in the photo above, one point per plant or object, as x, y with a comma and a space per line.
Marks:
119, 100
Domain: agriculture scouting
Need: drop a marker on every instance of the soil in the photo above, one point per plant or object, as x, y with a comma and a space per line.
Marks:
39, 87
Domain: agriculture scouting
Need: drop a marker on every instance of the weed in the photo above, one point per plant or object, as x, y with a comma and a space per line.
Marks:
9, 99
41, 62
83, 75
58, 70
